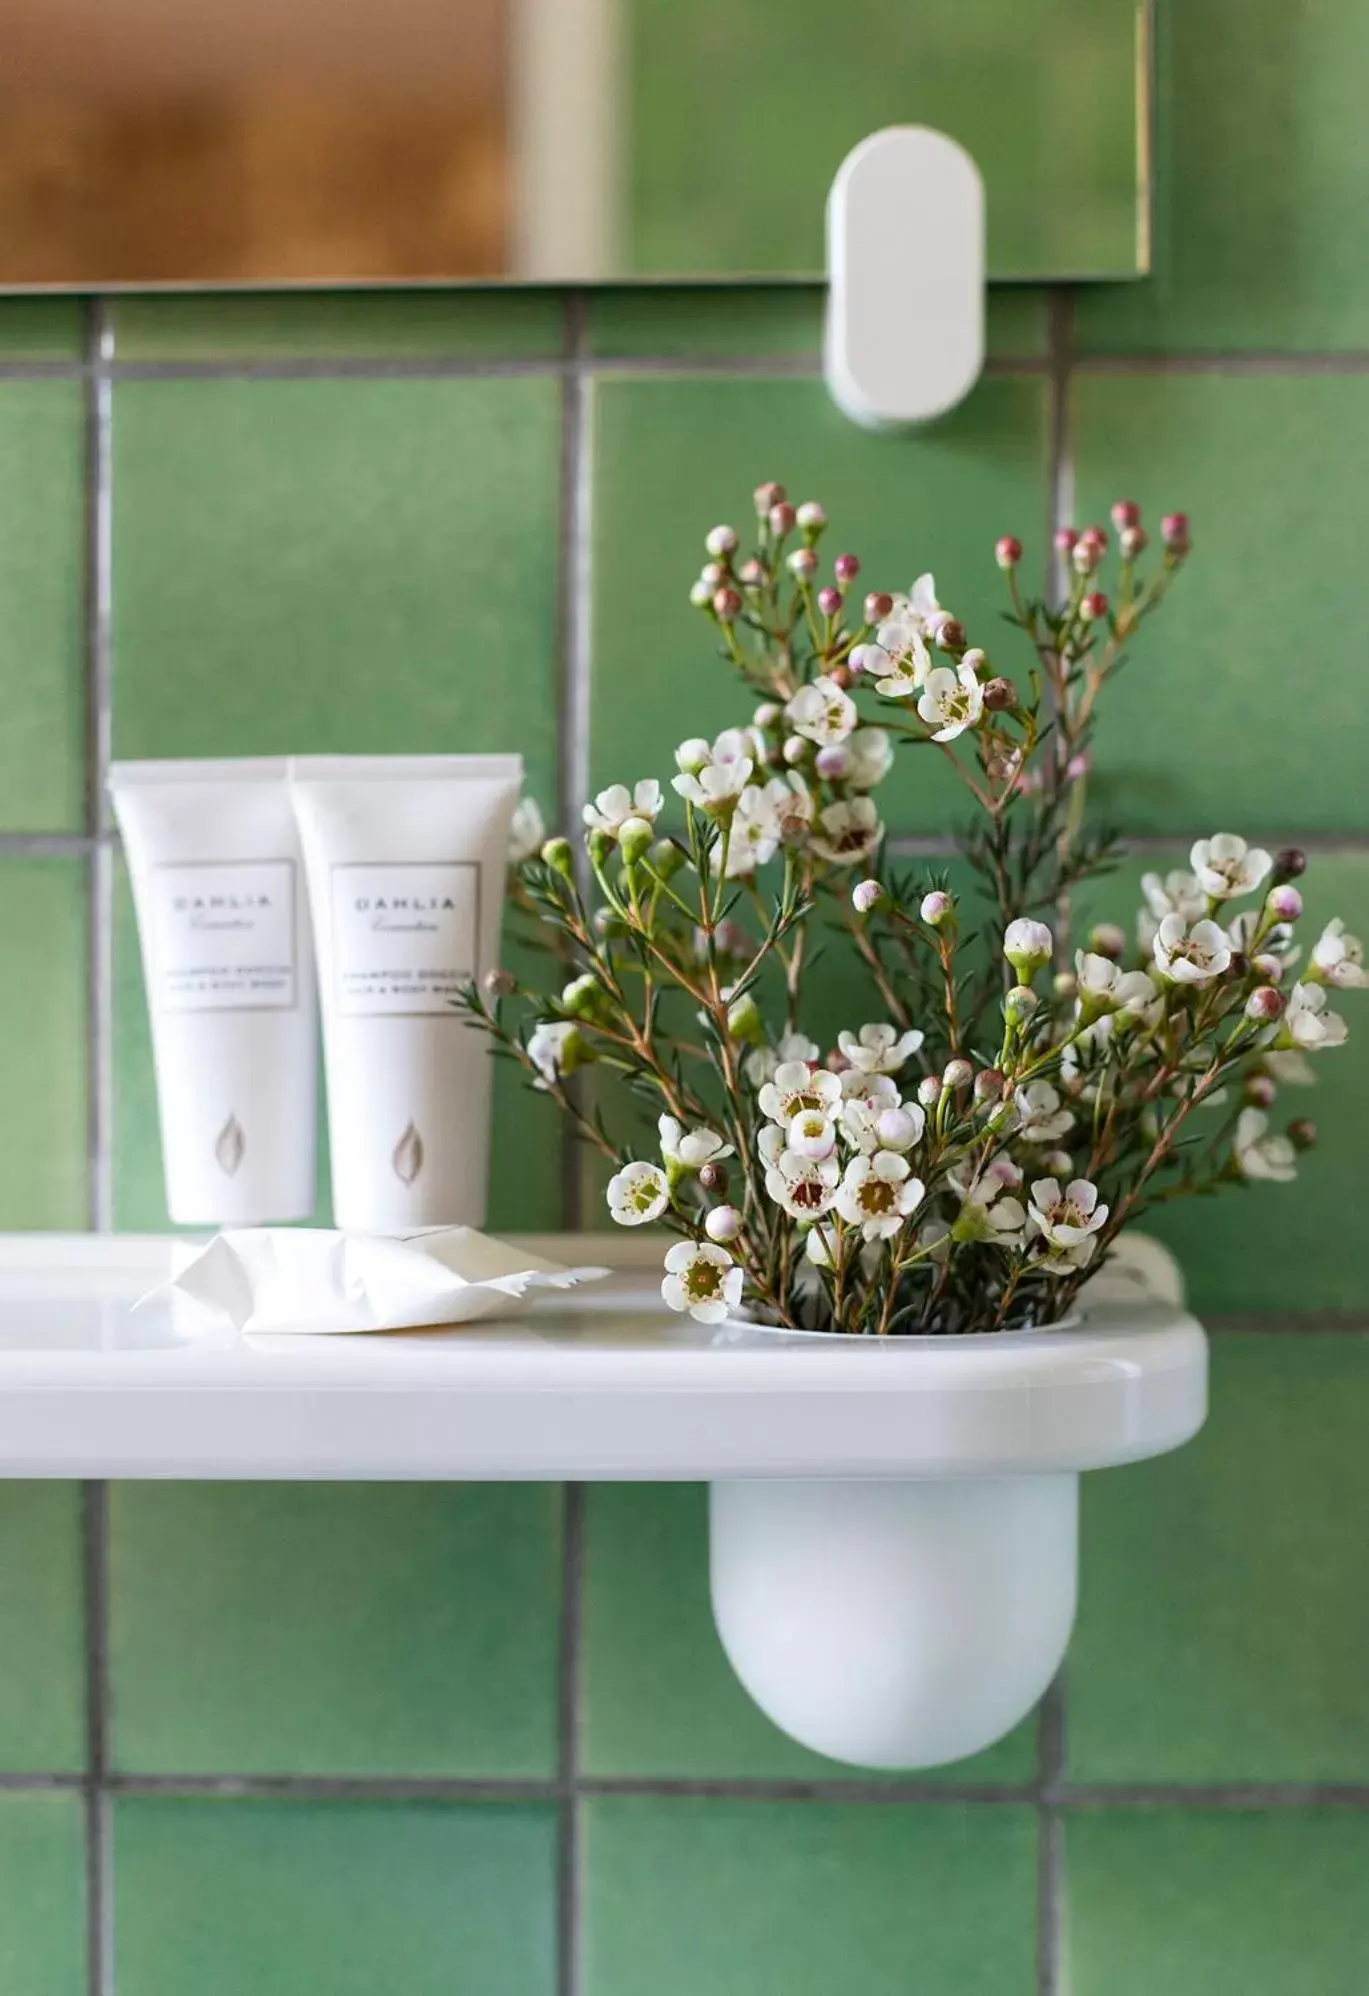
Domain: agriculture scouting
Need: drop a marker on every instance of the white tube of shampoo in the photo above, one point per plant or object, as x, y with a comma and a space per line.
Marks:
406, 859
223, 921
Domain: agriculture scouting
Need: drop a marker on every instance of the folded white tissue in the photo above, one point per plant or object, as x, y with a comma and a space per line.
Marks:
307, 1279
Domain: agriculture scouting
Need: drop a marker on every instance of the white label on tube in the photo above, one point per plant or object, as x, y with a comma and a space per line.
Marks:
225, 936
404, 936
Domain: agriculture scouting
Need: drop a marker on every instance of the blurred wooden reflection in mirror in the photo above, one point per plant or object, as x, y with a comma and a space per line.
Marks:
322, 141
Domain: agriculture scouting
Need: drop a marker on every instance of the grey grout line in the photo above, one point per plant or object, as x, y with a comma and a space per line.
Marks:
99, 1854
99, 531
568, 1924
573, 693
1050, 1876
1225, 362
1063, 1797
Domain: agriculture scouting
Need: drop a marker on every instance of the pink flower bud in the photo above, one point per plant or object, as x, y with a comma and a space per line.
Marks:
1302, 1133
1007, 551
1086, 557
795, 750
713, 573
829, 602
751, 574
1289, 864
841, 675
767, 497
1133, 541
1264, 1004
877, 606
1126, 513
1285, 902
722, 1223
936, 908
1078, 765
1108, 940
1268, 968
866, 895
1095, 537
721, 541
846, 567
726, 604
1260, 1089
958, 1074
950, 634
701, 595
832, 763
1094, 605
1064, 538
802, 562
811, 517
929, 1090
999, 694
1059, 1163
767, 715
896, 1128
1174, 530
782, 517
498, 983
989, 1084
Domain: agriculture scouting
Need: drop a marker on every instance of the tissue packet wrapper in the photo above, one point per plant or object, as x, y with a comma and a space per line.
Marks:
312, 1280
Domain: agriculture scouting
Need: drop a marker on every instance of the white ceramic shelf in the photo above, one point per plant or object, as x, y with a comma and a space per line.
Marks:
604, 1384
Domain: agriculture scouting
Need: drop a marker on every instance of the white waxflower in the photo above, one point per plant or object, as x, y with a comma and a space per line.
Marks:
951, 701
988, 1212
1288, 1067
1041, 1118
638, 1193
795, 1087
791, 801
1225, 866
690, 1150
1176, 893
877, 1091
1027, 945
691, 756
702, 1279
821, 712
527, 832
1340, 958
848, 832
880, 1049
1260, 1155
715, 786
805, 1187
816, 1249
613, 807
755, 835
898, 661
878, 1194
1137, 996
901, 1127
870, 757
1306, 1022
552, 1047
812, 1134
760, 1066
772, 1142
1109, 988
1191, 955
1067, 1221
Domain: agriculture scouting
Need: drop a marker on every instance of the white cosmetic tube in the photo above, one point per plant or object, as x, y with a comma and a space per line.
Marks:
223, 921
406, 858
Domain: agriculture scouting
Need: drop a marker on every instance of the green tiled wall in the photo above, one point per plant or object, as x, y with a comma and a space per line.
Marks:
484, 1739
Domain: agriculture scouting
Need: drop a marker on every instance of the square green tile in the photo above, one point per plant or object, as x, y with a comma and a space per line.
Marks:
525, 1166
1203, 726
43, 1033
1266, 1903
772, 321
336, 565
400, 1629
42, 1631
1261, 179
1270, 1248
45, 329
422, 323
673, 456
42, 1863
659, 1695
42, 557
1223, 1612
688, 1897
350, 1899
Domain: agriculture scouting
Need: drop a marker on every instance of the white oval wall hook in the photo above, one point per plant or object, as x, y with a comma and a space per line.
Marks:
905, 264
907, 1621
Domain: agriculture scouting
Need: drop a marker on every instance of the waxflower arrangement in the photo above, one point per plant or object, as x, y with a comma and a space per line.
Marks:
961, 1159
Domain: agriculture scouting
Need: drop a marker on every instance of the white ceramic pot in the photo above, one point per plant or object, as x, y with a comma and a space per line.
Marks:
906, 1622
